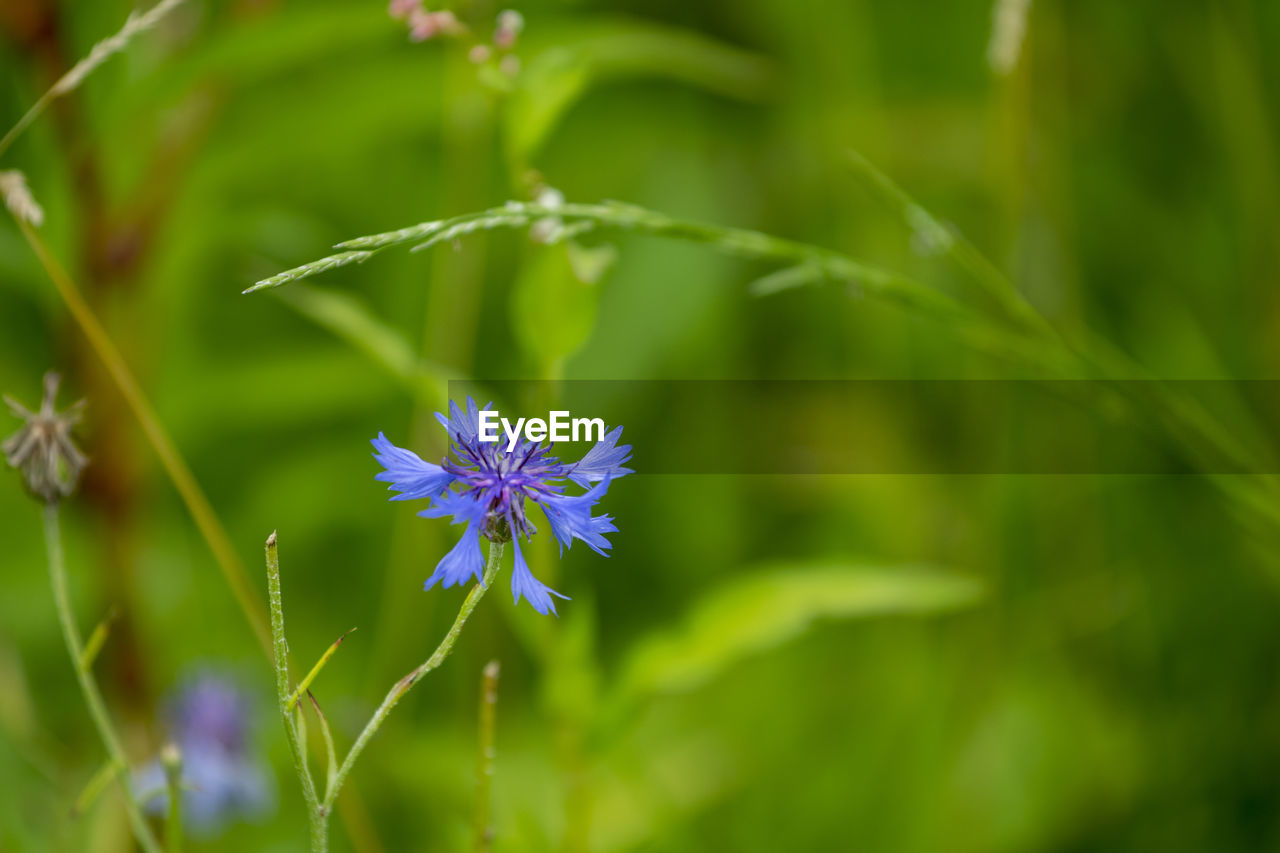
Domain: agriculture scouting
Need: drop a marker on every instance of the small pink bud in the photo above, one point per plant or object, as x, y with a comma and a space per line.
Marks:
510, 24
402, 9
447, 23
480, 54
422, 25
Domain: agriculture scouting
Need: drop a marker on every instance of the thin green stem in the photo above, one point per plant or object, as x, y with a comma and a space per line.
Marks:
95, 786
482, 832
29, 116
202, 512
405, 684
171, 759
317, 815
101, 52
89, 687
174, 465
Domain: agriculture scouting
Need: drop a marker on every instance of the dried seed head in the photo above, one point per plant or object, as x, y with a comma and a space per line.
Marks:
43, 449
17, 197
1008, 31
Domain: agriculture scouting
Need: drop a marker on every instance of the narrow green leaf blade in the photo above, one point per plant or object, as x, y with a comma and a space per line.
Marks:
767, 608
296, 696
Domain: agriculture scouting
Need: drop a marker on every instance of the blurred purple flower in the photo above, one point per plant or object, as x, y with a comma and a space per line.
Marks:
208, 721
493, 487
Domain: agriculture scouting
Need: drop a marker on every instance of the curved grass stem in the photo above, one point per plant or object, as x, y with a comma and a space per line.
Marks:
1005, 325
101, 52
89, 687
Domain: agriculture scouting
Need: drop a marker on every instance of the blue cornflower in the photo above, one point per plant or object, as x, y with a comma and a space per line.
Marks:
494, 486
209, 721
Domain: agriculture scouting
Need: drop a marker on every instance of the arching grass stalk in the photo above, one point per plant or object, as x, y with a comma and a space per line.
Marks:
578, 218
100, 53
1000, 322
319, 808
89, 687
1012, 334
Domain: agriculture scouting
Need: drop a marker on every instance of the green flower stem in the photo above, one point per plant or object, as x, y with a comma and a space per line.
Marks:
403, 685
92, 696
317, 816
171, 759
482, 839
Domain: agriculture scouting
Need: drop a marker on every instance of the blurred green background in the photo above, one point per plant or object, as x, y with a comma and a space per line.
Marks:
1113, 688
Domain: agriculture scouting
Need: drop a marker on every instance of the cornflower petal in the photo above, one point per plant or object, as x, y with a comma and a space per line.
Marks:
462, 506
605, 459
463, 428
570, 518
407, 472
463, 561
523, 583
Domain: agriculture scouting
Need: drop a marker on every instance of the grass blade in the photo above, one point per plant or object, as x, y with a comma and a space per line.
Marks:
296, 696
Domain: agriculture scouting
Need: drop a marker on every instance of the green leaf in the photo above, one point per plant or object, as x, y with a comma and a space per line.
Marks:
331, 754
351, 321
553, 305
557, 77
591, 264
547, 88
259, 48
769, 607
305, 684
